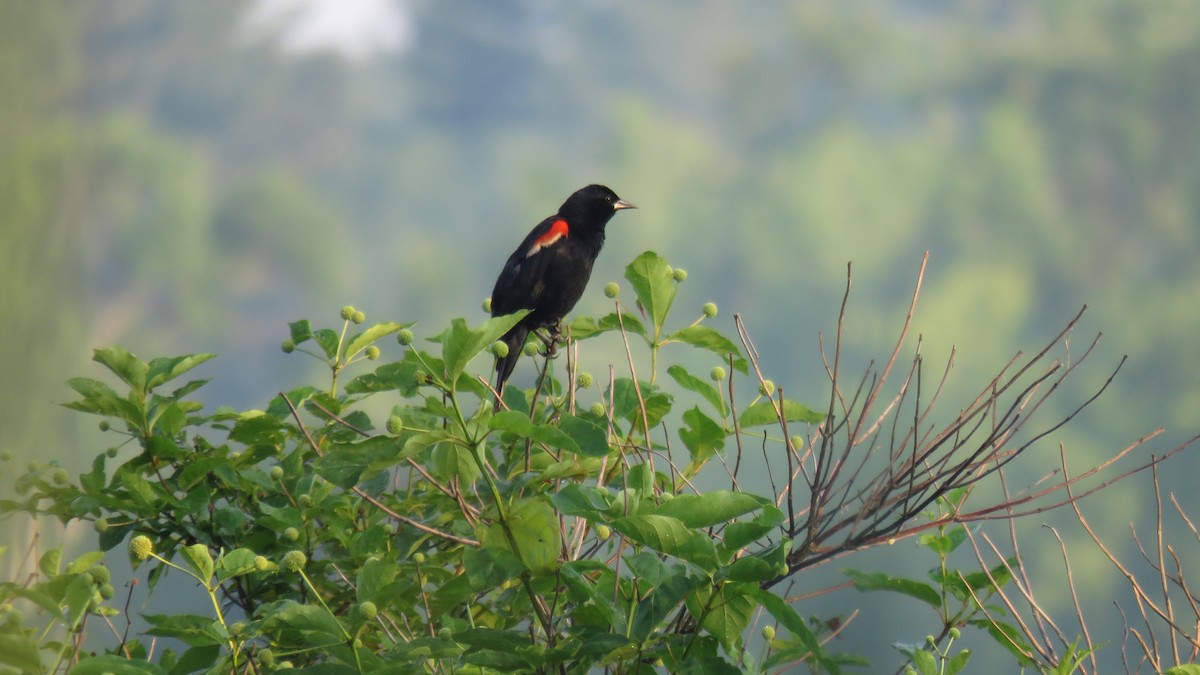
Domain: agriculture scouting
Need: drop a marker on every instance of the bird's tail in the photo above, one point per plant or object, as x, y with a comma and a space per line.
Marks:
515, 339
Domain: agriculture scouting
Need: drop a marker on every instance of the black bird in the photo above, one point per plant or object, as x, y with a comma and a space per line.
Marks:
549, 270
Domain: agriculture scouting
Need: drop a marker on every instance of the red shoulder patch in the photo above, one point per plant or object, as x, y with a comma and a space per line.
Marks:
558, 230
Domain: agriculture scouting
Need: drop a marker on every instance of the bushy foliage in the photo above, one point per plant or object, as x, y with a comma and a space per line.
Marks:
438, 536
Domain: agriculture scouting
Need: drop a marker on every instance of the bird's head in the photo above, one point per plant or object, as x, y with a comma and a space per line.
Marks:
594, 204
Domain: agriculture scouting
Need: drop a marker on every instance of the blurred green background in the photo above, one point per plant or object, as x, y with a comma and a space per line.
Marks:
188, 177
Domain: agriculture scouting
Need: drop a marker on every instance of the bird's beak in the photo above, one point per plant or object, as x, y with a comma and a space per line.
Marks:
622, 204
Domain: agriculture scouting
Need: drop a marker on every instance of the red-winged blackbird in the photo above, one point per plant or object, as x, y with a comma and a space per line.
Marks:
549, 270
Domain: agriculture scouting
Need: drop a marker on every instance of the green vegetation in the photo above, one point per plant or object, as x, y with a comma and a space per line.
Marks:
550, 536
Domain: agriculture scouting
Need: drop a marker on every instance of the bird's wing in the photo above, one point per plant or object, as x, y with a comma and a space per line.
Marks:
521, 281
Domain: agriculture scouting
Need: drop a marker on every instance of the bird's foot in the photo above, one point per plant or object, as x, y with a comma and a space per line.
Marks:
551, 338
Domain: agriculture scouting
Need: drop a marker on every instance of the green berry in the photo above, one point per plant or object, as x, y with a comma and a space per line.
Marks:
584, 380
389, 528
709, 309
531, 349
140, 547
597, 409
368, 609
421, 378
679, 274
104, 425
294, 561
276, 472
395, 425
100, 574
419, 558
261, 563
266, 657
111, 452
487, 305
499, 349
797, 442
291, 534
404, 336
359, 317
372, 353
603, 532
60, 476
954, 633
306, 500
107, 591
717, 374
348, 312
766, 388
101, 525
612, 289
288, 346
930, 641
445, 634
284, 665
768, 632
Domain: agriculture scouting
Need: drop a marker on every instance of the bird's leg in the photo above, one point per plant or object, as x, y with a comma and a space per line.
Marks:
551, 338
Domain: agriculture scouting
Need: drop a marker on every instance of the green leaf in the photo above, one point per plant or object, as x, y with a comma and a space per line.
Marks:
577, 500
959, 661
461, 344
51, 562
301, 331
944, 544
374, 576
737, 536
763, 412
534, 527
235, 563
198, 658
924, 662
200, 561
100, 399
710, 508
651, 279
548, 434
1009, 637
1185, 669
328, 341
19, 652
191, 629
288, 614
761, 566
124, 365
625, 401
590, 433
347, 464
725, 615
163, 370
663, 597
880, 581
703, 387
85, 562
362, 340
703, 437
108, 663
670, 536
584, 327
708, 338
78, 597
